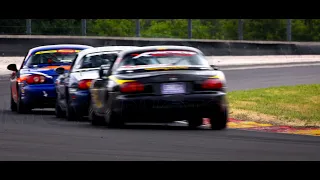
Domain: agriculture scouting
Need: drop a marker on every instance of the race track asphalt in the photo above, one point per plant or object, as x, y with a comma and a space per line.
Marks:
41, 136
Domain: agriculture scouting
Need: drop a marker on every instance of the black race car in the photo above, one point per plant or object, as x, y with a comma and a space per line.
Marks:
159, 84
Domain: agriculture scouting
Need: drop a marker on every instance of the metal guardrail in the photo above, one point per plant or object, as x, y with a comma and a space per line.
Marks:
16, 45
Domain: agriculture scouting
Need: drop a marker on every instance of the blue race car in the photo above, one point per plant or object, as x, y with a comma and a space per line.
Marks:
32, 85
73, 96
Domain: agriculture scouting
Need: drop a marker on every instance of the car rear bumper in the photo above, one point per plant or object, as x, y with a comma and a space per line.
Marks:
39, 96
168, 108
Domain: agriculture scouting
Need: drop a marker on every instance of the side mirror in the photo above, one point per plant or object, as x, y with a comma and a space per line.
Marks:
60, 70
103, 71
12, 67
214, 67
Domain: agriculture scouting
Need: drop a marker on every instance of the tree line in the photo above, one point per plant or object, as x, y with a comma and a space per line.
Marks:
219, 29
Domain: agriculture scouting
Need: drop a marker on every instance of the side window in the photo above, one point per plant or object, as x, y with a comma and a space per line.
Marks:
87, 62
80, 62
95, 61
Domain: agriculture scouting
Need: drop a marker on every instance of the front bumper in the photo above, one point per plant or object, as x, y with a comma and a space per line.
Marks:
38, 96
168, 108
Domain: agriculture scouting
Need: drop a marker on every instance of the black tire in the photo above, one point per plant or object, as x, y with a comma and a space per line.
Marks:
94, 119
13, 105
113, 120
219, 121
58, 111
195, 123
71, 115
21, 107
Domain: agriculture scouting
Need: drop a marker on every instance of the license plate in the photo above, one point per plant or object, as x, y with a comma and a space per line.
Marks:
173, 88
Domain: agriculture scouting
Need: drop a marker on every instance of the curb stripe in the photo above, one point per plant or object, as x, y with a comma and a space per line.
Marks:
255, 126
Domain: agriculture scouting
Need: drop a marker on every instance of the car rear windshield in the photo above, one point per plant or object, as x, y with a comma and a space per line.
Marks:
163, 58
95, 60
62, 56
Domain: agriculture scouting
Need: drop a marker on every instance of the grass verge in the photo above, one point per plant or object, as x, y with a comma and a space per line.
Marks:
286, 105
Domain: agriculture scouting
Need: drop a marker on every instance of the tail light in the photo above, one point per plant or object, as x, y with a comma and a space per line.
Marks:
84, 84
35, 79
212, 84
131, 87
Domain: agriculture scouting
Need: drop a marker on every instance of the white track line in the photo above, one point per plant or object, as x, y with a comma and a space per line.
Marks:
271, 66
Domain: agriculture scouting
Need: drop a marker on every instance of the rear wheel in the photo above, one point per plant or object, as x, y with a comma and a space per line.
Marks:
21, 107
194, 123
71, 112
71, 115
58, 111
113, 120
95, 120
219, 121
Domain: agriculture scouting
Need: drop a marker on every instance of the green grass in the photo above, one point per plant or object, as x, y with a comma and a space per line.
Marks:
286, 105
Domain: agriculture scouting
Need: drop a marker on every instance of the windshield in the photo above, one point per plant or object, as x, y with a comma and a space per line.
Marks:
52, 57
95, 60
164, 58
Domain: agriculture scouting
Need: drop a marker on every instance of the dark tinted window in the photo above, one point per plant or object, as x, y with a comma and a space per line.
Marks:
95, 60
52, 57
164, 58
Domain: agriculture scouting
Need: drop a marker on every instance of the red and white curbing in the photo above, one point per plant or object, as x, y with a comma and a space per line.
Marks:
254, 126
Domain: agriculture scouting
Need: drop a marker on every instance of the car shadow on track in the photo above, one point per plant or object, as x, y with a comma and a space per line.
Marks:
34, 117
136, 126
49, 117
172, 126
146, 127
33, 112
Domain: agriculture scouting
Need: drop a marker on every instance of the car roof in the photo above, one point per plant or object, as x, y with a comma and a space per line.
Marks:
105, 48
58, 46
162, 47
